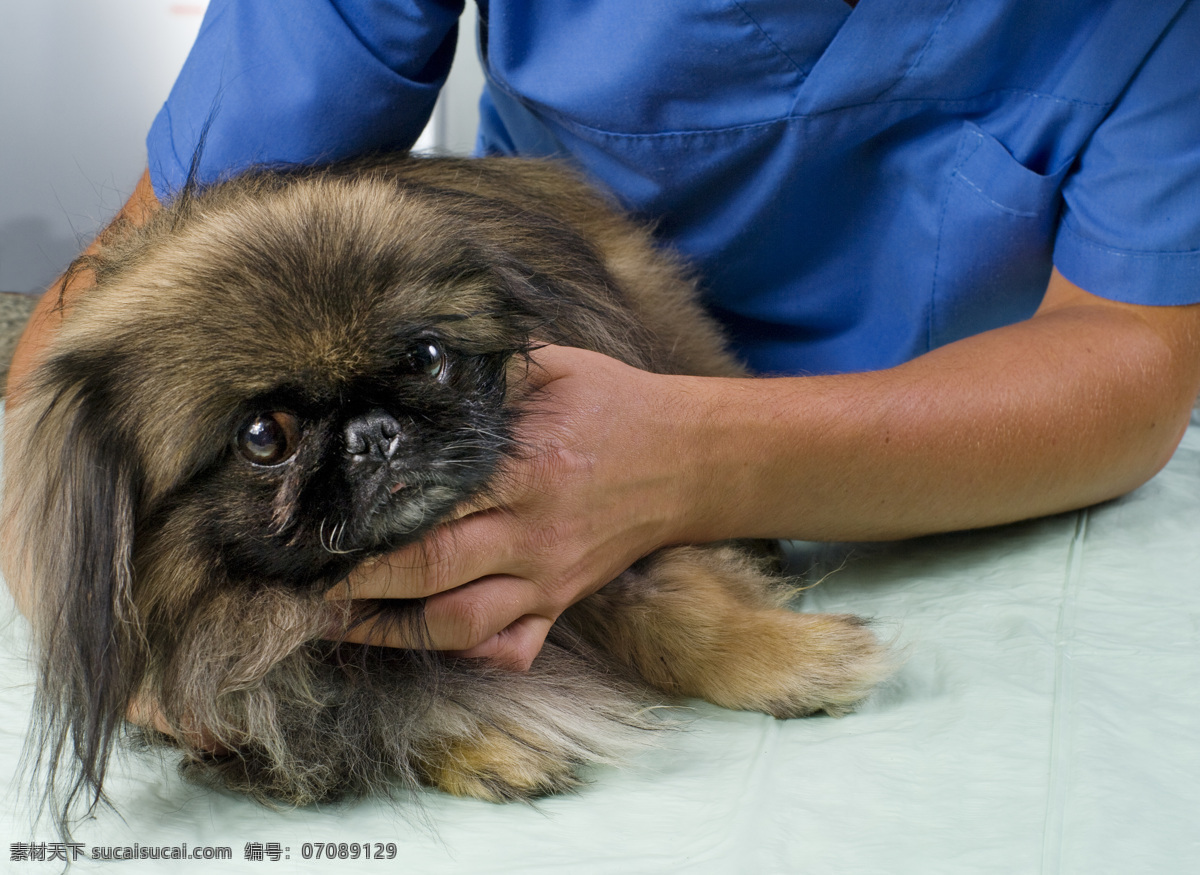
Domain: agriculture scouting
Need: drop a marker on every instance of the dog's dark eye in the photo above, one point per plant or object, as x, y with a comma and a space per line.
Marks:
269, 438
426, 357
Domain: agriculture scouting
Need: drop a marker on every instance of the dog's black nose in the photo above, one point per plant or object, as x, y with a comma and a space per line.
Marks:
375, 434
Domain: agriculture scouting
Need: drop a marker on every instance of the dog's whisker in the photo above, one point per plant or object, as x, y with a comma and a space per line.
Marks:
333, 543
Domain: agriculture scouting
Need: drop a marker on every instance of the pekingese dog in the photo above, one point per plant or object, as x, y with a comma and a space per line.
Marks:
293, 371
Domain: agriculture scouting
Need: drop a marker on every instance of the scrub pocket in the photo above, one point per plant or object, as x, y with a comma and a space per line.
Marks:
995, 241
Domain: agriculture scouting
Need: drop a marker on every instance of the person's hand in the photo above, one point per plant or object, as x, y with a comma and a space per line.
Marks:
594, 487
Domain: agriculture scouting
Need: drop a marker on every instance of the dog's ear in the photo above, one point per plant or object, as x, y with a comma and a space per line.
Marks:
572, 301
70, 501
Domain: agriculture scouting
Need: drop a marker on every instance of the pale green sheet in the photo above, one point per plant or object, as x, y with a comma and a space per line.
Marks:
1045, 720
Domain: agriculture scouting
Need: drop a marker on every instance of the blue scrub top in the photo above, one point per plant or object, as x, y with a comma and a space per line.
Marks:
855, 187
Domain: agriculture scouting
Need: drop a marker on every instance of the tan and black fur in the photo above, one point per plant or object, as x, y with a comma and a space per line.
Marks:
167, 564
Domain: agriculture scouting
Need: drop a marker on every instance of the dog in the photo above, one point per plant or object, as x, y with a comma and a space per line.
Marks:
209, 445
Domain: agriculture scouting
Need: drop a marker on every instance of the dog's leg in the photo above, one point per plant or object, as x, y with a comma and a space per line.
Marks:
496, 763
709, 622
500, 735
390, 718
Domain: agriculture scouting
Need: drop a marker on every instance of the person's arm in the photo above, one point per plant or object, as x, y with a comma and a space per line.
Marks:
1081, 403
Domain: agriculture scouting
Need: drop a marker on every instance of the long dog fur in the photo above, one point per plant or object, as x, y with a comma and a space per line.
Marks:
163, 567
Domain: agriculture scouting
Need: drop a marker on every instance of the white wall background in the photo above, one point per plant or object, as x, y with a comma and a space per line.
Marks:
80, 83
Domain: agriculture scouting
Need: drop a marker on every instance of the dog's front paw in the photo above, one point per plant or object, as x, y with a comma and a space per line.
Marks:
793, 665
805, 663
710, 623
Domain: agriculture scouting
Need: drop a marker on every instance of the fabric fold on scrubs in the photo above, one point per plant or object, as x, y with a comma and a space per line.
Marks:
854, 187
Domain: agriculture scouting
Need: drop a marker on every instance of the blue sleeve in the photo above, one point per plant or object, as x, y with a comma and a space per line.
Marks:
1130, 229
302, 81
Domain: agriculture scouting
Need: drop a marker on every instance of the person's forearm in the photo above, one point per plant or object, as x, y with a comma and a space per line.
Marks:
1077, 405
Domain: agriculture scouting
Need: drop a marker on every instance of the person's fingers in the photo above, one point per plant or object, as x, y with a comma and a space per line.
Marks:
465, 617
514, 647
460, 619
448, 557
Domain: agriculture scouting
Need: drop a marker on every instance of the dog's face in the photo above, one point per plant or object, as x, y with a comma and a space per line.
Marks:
272, 382
301, 384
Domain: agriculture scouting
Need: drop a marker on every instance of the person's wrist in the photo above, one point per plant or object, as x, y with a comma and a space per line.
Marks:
699, 454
